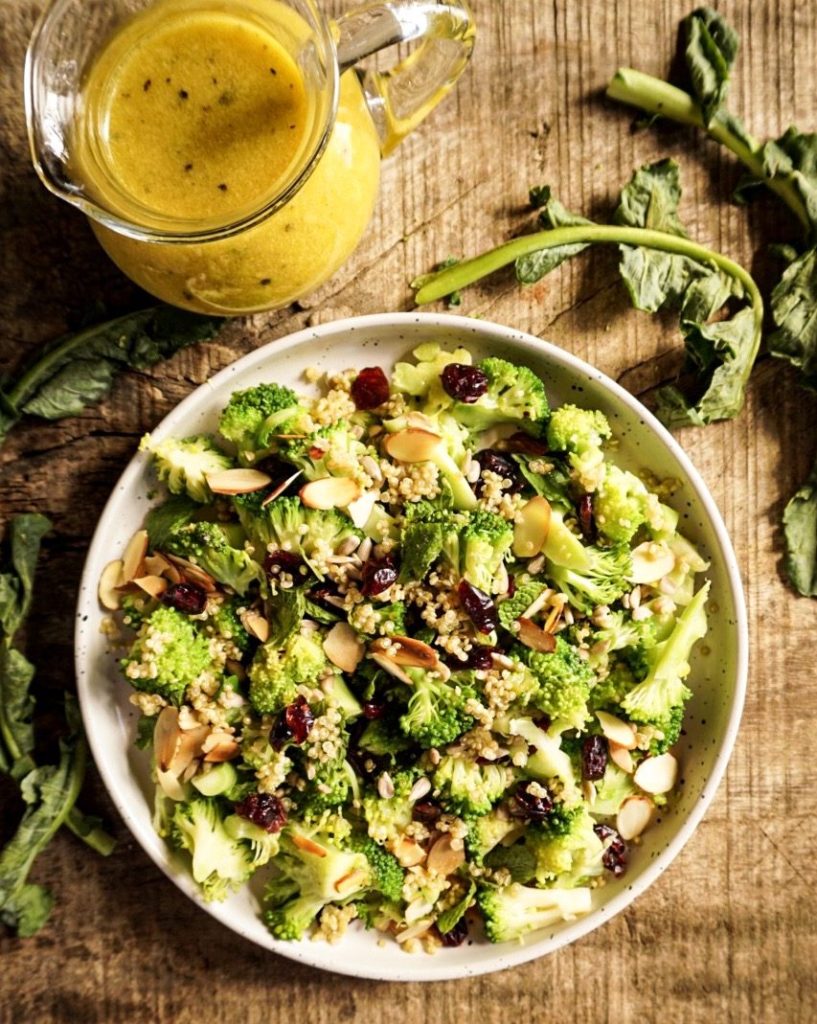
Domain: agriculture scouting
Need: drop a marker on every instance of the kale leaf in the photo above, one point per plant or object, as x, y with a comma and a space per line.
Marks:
800, 530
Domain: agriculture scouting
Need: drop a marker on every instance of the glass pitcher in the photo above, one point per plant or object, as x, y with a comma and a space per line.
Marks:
143, 153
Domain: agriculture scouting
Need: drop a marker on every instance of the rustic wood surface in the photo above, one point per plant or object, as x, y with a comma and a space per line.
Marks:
728, 934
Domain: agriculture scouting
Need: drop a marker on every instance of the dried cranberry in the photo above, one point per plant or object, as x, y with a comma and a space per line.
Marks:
299, 719
594, 757
264, 810
531, 806
587, 522
614, 857
372, 710
282, 561
543, 721
426, 811
377, 577
480, 657
456, 935
370, 388
465, 383
525, 444
189, 598
478, 606
511, 586
492, 461
324, 596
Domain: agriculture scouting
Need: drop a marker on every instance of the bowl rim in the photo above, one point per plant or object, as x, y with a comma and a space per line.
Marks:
508, 957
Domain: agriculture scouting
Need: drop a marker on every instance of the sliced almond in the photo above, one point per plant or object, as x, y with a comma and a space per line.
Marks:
408, 852
170, 785
652, 561
153, 585
256, 625
349, 882
191, 770
633, 816
343, 647
391, 667
656, 774
134, 557
361, 508
109, 596
621, 757
157, 565
276, 491
166, 733
531, 527
237, 481
218, 747
442, 858
535, 637
330, 492
616, 730
413, 445
405, 650
194, 574
307, 845
188, 746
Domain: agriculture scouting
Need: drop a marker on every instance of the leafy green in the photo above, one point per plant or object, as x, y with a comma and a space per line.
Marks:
285, 612
711, 48
794, 310
163, 520
16, 713
661, 268
534, 266
79, 369
25, 535
800, 530
451, 917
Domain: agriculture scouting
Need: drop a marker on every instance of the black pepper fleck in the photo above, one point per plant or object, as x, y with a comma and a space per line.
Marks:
265, 280
272, 71
182, 94
188, 167
147, 85
222, 187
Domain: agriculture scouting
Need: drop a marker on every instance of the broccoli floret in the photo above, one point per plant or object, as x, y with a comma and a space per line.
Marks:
388, 819
253, 414
486, 832
590, 576
135, 609
276, 673
207, 546
620, 505
613, 688
565, 680
263, 845
423, 379
381, 739
581, 433
512, 911
511, 608
330, 451
387, 874
656, 700
227, 624
548, 760
329, 789
167, 655
567, 855
514, 395
221, 863
163, 519
288, 525
485, 542
312, 873
420, 547
612, 790
185, 463
435, 715
470, 787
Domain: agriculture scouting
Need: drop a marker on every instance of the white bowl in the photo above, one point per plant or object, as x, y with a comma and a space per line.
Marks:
718, 677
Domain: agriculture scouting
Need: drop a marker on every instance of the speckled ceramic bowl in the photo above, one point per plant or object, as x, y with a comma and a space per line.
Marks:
718, 676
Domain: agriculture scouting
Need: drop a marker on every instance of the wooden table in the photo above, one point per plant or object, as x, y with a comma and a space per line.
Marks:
728, 934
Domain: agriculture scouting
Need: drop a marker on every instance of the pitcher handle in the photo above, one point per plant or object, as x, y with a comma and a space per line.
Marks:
399, 98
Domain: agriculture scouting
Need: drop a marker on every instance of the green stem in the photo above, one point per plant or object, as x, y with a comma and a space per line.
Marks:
90, 833
658, 97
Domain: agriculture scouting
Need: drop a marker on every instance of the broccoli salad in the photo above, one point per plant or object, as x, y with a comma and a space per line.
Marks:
416, 647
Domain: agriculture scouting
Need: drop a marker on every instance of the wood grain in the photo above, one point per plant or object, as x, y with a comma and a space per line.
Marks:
728, 934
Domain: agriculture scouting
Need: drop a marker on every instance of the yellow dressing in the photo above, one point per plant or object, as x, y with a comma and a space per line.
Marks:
196, 115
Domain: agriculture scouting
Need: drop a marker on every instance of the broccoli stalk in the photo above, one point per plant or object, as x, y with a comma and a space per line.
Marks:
184, 464
511, 911
548, 760
221, 863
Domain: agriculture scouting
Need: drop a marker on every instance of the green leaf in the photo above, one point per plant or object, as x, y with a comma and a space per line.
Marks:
285, 612
794, 311
451, 918
650, 200
552, 485
322, 615
800, 531
164, 519
711, 48
50, 793
24, 536
16, 711
79, 369
422, 544
536, 265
